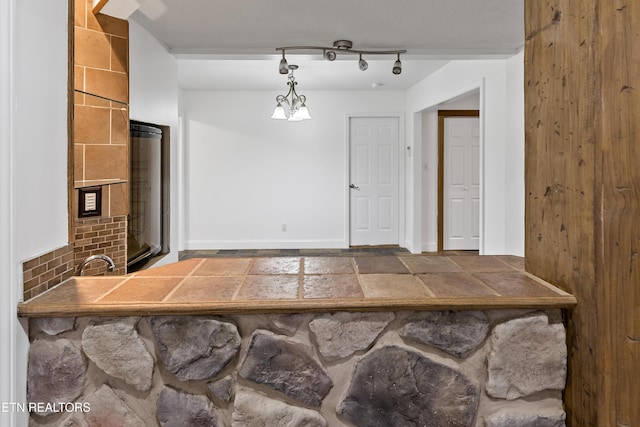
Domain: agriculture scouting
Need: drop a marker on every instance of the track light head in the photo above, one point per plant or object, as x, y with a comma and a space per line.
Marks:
284, 67
329, 55
362, 64
397, 66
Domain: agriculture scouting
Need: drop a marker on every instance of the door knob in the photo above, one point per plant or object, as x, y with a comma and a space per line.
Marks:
355, 187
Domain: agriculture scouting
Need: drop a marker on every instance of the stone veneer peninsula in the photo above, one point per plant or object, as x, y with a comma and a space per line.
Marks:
491, 367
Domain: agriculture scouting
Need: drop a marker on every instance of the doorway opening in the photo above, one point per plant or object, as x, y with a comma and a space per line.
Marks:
458, 180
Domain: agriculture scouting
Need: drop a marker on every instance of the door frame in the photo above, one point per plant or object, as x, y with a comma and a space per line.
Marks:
401, 172
442, 115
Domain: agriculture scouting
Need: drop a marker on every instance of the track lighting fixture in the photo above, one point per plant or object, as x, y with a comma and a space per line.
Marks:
362, 64
297, 108
397, 66
342, 46
329, 55
284, 67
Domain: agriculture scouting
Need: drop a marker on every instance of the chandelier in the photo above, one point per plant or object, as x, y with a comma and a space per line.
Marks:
297, 110
342, 46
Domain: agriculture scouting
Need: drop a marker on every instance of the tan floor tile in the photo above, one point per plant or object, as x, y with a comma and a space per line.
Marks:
380, 265
142, 290
79, 290
393, 286
176, 269
223, 267
196, 289
455, 284
515, 285
269, 287
481, 264
276, 265
333, 286
328, 265
430, 264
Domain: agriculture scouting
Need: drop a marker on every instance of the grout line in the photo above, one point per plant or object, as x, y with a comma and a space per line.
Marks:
301, 279
405, 265
358, 278
424, 285
485, 284
244, 279
110, 291
184, 279
108, 70
505, 263
547, 285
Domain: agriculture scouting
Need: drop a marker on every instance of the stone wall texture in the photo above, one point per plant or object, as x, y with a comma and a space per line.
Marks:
438, 368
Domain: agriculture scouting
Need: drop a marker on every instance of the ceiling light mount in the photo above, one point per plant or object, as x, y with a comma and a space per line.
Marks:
339, 47
343, 44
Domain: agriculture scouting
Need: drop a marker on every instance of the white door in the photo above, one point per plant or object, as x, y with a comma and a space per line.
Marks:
374, 180
461, 183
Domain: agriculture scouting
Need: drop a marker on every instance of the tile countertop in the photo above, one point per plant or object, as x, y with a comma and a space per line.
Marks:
303, 283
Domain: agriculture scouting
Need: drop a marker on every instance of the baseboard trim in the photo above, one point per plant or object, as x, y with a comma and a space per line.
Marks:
430, 247
265, 244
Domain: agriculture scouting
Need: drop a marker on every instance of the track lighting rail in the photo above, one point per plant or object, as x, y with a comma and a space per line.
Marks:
341, 46
341, 50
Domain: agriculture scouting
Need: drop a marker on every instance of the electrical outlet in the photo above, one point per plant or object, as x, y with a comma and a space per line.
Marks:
284, 227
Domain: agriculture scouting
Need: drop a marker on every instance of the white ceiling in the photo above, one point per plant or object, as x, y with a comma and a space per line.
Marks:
230, 44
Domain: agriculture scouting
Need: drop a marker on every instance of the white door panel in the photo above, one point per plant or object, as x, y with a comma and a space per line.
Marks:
461, 184
374, 179
385, 213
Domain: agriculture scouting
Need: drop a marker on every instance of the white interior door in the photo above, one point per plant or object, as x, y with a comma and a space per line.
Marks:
374, 180
461, 183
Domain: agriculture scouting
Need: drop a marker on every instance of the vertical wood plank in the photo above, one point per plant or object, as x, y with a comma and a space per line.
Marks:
561, 95
582, 165
618, 234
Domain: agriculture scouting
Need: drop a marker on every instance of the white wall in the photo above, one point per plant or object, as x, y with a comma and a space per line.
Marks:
451, 81
153, 97
40, 127
33, 166
514, 192
247, 175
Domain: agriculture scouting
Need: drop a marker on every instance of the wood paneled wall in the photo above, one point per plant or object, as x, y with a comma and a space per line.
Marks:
582, 216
